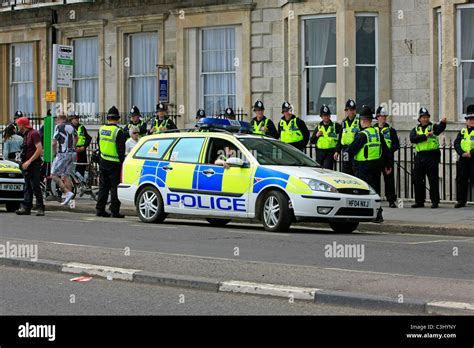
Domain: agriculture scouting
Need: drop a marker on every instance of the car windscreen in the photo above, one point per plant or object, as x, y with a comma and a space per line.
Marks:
277, 153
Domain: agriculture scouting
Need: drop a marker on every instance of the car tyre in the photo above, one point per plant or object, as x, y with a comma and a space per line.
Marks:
12, 206
149, 205
218, 222
344, 227
276, 214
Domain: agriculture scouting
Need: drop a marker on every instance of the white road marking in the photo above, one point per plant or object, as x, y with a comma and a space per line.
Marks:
447, 307
242, 287
102, 271
71, 220
469, 240
268, 234
156, 227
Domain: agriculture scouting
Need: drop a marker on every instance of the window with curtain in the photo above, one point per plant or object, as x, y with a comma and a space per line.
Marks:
22, 78
319, 47
218, 69
85, 93
466, 59
366, 61
143, 53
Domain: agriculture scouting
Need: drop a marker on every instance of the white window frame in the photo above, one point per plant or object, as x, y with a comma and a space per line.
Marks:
13, 83
130, 76
304, 71
440, 60
96, 78
201, 73
459, 8
376, 65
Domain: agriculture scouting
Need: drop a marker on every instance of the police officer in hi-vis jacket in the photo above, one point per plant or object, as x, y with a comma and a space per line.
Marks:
464, 146
425, 138
262, 125
325, 138
350, 127
291, 129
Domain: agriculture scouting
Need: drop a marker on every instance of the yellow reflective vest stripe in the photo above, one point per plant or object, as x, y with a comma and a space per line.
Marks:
386, 134
290, 133
429, 144
329, 138
107, 142
467, 142
162, 124
372, 150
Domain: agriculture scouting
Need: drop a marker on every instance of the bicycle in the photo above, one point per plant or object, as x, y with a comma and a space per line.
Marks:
81, 185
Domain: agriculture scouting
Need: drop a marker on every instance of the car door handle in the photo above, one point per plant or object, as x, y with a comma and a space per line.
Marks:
208, 172
167, 168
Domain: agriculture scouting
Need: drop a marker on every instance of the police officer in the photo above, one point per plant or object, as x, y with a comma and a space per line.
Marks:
370, 153
325, 138
229, 114
135, 121
291, 129
262, 125
464, 146
350, 127
425, 138
162, 121
83, 142
111, 141
393, 144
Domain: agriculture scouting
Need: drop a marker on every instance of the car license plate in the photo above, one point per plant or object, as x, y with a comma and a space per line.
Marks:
11, 187
358, 203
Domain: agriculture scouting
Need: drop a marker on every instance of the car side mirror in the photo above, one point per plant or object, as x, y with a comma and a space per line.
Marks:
235, 162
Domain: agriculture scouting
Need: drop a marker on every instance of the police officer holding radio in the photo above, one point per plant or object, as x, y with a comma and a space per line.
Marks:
162, 122
262, 125
350, 127
425, 138
291, 129
325, 138
393, 144
464, 146
135, 121
111, 141
371, 154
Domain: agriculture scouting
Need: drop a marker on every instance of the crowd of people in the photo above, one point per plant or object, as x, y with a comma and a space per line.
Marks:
366, 149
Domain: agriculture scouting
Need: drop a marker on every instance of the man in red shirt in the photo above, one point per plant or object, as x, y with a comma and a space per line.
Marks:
31, 166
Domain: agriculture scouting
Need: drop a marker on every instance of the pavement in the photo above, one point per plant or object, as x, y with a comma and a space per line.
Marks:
395, 271
442, 221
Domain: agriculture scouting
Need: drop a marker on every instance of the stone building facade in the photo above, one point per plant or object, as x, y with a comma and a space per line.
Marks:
403, 53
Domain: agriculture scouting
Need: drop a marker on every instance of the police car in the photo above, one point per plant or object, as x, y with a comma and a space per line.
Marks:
11, 185
221, 172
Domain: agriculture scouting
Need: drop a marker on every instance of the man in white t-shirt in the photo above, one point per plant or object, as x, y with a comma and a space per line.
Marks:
133, 140
64, 143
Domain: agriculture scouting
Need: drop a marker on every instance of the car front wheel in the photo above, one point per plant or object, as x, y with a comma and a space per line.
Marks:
276, 213
344, 227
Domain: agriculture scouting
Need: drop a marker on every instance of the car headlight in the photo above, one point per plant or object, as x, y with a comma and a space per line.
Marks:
318, 185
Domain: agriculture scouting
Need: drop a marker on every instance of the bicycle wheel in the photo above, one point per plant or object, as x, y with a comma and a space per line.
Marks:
57, 192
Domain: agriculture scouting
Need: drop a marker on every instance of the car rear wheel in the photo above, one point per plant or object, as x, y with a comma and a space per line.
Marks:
344, 227
149, 205
276, 213
218, 222
12, 206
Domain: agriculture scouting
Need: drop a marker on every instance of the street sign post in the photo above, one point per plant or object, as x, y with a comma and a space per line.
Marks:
163, 75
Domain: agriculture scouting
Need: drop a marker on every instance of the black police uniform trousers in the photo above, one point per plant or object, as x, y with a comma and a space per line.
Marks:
369, 171
33, 186
325, 157
426, 165
389, 180
465, 172
81, 158
348, 163
109, 180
